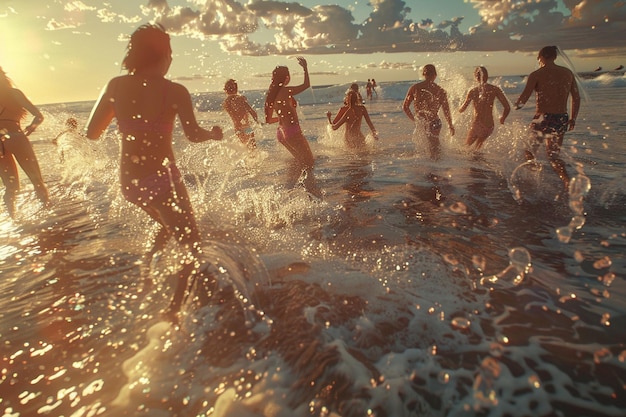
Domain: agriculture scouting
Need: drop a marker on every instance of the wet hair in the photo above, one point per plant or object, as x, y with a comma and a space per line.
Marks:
354, 87
549, 52
148, 46
481, 74
279, 77
71, 123
230, 86
352, 98
6, 85
429, 69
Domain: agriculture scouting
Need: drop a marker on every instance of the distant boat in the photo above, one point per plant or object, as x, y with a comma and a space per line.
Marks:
598, 69
621, 67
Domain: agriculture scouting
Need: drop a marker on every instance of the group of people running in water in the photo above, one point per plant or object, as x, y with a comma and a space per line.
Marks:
145, 105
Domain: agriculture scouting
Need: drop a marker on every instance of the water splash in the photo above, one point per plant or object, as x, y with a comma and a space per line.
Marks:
519, 265
578, 188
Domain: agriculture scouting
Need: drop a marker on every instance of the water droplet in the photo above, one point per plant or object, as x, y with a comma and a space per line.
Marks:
564, 234
534, 381
461, 323
577, 222
603, 263
579, 186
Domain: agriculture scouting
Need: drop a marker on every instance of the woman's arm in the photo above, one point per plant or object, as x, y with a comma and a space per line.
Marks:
307, 81
32, 109
505, 104
187, 117
369, 123
467, 101
101, 114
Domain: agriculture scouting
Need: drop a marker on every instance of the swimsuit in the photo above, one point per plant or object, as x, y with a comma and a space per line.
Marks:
139, 125
550, 123
285, 133
432, 126
480, 130
5, 134
153, 188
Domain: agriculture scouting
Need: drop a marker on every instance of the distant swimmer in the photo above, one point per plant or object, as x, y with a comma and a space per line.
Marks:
428, 98
352, 118
280, 106
346, 105
71, 128
621, 67
553, 85
240, 111
146, 104
15, 146
483, 97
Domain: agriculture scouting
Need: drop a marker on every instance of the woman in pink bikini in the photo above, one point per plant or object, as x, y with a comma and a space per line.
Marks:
280, 106
483, 97
14, 143
145, 105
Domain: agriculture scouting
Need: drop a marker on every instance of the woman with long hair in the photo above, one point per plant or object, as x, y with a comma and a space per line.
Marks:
352, 117
483, 97
145, 105
14, 143
280, 106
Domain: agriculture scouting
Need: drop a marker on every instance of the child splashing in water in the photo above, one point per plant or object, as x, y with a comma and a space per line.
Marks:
280, 106
145, 105
483, 97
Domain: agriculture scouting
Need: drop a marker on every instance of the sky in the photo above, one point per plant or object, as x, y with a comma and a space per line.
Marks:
67, 50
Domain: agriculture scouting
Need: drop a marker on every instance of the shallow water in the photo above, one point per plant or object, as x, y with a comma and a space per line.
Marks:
414, 287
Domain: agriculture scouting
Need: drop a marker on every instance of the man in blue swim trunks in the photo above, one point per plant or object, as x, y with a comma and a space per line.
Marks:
553, 85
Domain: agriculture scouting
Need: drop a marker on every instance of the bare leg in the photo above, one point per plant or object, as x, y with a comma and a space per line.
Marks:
553, 147
176, 214
434, 146
10, 178
23, 151
300, 149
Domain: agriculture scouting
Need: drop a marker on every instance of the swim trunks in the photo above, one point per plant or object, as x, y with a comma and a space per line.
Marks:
285, 133
431, 126
153, 188
550, 123
479, 130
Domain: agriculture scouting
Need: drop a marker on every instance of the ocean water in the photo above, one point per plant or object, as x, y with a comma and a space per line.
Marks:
466, 286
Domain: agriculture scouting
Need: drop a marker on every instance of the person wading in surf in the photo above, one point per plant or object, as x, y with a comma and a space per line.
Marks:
15, 146
428, 98
280, 106
553, 85
483, 97
145, 105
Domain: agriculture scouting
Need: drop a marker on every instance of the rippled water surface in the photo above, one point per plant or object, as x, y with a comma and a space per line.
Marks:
414, 287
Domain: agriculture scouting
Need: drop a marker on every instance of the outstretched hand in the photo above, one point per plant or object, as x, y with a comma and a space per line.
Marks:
302, 62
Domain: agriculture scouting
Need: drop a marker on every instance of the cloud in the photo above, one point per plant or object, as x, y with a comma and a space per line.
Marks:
266, 27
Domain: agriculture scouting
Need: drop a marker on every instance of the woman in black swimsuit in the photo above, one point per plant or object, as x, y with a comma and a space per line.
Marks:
14, 143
